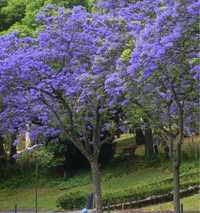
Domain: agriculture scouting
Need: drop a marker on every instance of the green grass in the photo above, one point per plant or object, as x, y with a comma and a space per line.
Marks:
124, 178
126, 141
119, 180
24, 198
189, 204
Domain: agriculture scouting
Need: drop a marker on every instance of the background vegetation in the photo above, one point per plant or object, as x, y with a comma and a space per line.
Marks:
19, 15
125, 178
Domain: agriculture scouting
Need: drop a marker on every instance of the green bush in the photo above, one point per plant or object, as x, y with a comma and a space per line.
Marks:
74, 200
43, 157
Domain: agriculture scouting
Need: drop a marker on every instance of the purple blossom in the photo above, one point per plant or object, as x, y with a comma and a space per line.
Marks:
16, 142
75, 64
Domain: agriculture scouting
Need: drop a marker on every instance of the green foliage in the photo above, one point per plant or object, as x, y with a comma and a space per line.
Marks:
74, 200
19, 15
126, 55
191, 151
41, 156
196, 60
11, 12
135, 116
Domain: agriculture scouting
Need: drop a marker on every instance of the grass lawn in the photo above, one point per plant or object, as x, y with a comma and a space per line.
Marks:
114, 181
24, 198
124, 177
189, 204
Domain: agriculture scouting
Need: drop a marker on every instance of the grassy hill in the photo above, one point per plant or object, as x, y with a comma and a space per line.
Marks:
189, 204
126, 178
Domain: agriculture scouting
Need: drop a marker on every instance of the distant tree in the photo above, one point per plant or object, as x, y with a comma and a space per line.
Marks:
11, 12
19, 15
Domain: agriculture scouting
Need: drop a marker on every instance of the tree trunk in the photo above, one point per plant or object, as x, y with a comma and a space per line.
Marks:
96, 176
2, 154
13, 151
177, 151
148, 142
176, 177
139, 137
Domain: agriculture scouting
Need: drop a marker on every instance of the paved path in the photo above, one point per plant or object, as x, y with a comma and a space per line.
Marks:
40, 212
124, 211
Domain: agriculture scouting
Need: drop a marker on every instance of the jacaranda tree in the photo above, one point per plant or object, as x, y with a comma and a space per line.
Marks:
163, 60
163, 66
82, 66
64, 81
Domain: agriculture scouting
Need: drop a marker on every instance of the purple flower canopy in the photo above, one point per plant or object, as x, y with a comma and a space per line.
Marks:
74, 67
64, 69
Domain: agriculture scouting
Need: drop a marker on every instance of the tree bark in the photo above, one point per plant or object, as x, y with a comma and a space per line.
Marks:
176, 177
177, 151
139, 137
96, 176
148, 142
2, 153
13, 151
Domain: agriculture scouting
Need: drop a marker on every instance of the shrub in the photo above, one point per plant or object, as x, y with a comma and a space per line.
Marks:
73, 200
41, 155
